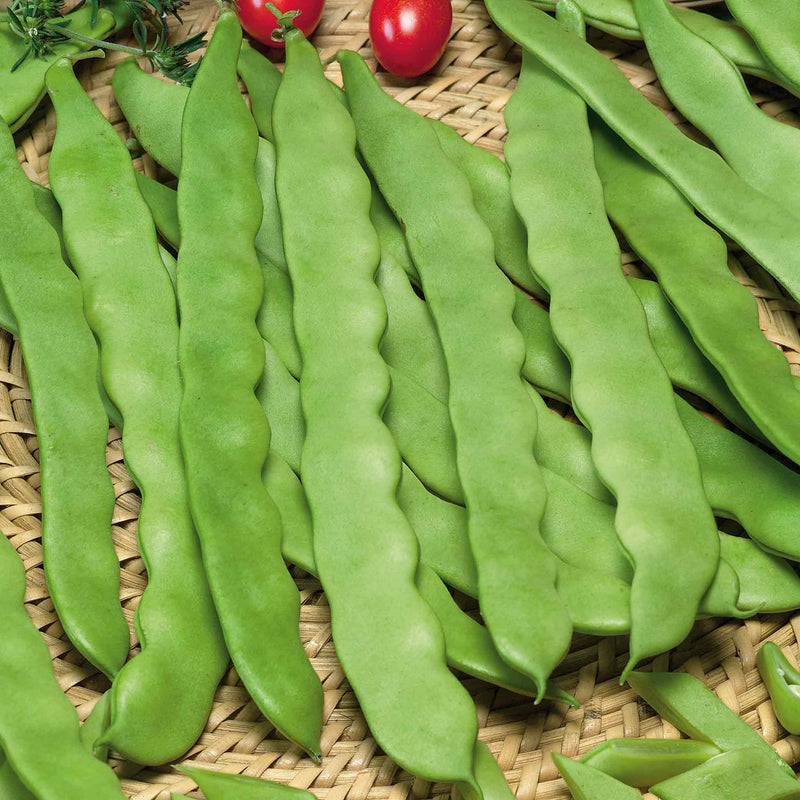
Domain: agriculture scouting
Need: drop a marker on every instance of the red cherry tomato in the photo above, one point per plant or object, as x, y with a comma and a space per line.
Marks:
259, 21
409, 36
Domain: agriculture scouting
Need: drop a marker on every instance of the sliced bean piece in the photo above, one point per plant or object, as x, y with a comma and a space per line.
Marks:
45, 301
764, 151
219, 292
365, 548
783, 684
39, 731
696, 711
644, 762
748, 774
624, 396
225, 786
454, 254
156, 713
759, 224
775, 28
587, 783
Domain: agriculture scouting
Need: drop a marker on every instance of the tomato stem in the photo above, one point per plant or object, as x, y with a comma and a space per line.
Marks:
285, 20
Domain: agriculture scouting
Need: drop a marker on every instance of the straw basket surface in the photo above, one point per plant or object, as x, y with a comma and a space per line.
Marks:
468, 90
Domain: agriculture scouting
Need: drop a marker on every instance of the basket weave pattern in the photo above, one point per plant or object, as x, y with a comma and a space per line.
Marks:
468, 90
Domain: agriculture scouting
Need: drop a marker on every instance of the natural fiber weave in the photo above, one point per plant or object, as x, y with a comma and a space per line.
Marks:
468, 90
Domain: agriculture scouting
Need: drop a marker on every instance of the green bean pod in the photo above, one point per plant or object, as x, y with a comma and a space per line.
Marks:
364, 547
763, 150
39, 732
644, 762
472, 306
624, 396
11, 787
157, 712
587, 783
783, 684
261, 78
747, 774
46, 304
163, 204
775, 28
696, 711
224, 433
759, 224
618, 18
690, 260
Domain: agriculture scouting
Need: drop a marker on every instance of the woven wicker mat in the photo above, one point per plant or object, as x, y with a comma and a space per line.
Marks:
468, 90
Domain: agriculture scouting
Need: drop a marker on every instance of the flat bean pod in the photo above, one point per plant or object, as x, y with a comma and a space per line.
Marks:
747, 774
764, 151
365, 549
157, 713
39, 732
11, 787
261, 78
223, 431
759, 224
775, 28
618, 18
644, 762
696, 711
639, 447
225, 786
472, 306
690, 260
154, 110
587, 783
46, 304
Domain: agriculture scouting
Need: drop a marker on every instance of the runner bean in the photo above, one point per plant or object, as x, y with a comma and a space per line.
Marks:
472, 306
624, 396
261, 78
46, 306
760, 225
618, 18
224, 433
763, 150
347, 448
39, 732
775, 28
156, 713
226, 786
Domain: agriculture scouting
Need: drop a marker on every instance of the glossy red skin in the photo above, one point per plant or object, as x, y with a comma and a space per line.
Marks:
409, 36
259, 21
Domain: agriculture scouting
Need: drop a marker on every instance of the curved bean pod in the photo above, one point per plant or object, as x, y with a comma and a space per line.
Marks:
224, 433
157, 713
639, 447
261, 79
764, 151
39, 731
163, 204
364, 547
775, 28
472, 303
46, 305
783, 683
767, 231
692, 269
